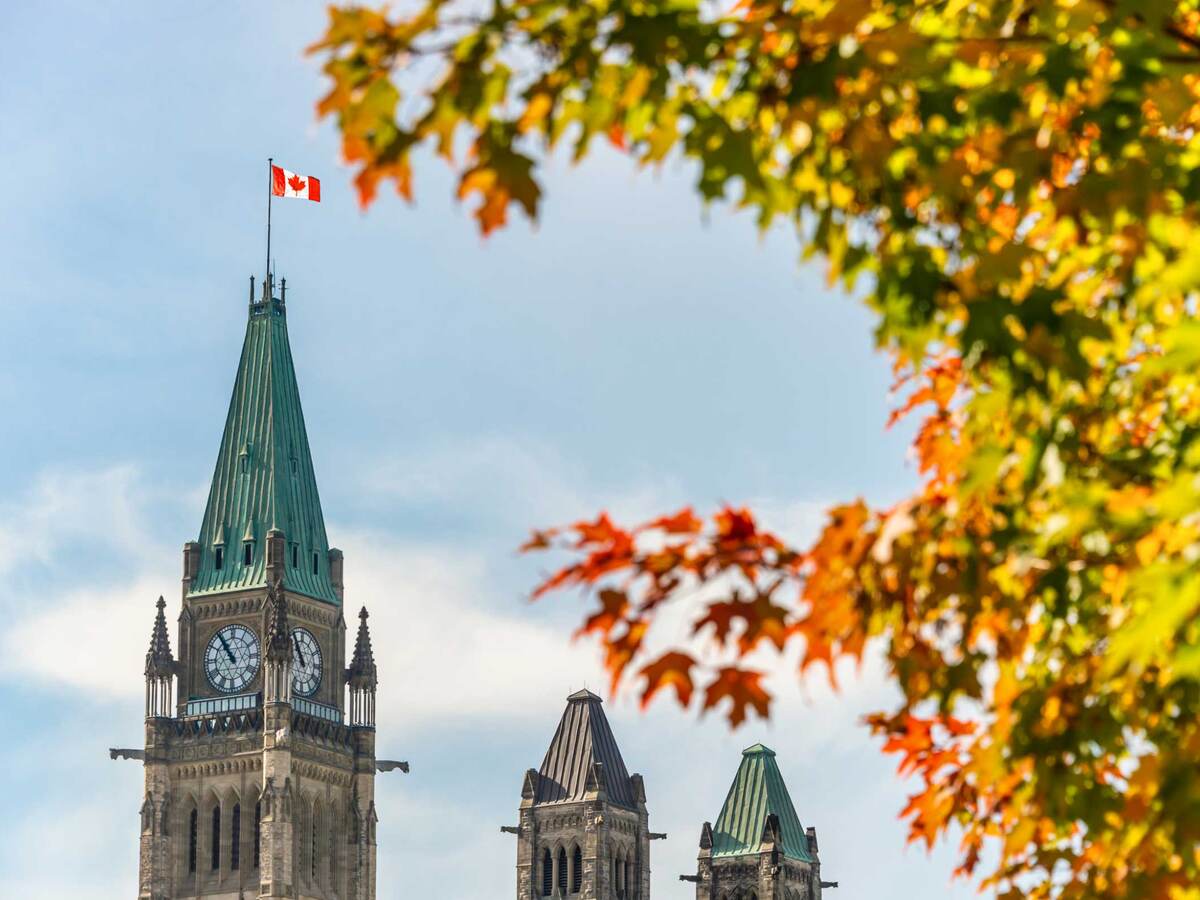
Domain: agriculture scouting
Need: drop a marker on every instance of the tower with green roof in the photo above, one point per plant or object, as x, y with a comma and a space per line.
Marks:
758, 850
256, 784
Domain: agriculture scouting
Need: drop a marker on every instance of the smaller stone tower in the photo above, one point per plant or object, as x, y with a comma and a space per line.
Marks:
155, 850
758, 850
362, 678
583, 830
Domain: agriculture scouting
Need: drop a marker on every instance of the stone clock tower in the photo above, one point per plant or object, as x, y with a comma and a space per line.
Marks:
257, 784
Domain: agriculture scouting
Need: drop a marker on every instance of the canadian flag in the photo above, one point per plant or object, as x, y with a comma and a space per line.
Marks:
289, 184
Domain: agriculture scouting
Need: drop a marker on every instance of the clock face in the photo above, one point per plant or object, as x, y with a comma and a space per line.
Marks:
231, 658
306, 662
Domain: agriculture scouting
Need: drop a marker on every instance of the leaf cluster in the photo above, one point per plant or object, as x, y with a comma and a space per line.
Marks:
1017, 186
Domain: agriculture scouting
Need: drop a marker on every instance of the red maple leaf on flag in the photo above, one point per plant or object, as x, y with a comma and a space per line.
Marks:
296, 183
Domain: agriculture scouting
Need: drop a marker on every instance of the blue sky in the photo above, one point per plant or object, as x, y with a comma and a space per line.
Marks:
632, 352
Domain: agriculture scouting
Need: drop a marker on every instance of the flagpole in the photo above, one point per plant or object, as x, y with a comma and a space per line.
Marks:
270, 193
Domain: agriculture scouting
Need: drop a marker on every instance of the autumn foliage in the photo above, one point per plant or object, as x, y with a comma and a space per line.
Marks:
1015, 189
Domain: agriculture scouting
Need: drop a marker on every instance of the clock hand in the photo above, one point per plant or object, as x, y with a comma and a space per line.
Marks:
228, 652
299, 652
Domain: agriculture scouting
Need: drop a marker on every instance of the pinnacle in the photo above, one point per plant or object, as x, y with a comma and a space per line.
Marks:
278, 632
159, 660
362, 666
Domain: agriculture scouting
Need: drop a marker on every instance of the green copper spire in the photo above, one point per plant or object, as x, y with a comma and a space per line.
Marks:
264, 477
757, 792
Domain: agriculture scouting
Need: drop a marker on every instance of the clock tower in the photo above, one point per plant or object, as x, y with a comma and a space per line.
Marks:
257, 783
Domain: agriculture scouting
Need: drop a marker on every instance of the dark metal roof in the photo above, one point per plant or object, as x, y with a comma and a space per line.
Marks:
583, 739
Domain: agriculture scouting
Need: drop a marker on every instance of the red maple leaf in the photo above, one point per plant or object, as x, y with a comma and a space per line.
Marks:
674, 669
743, 688
296, 183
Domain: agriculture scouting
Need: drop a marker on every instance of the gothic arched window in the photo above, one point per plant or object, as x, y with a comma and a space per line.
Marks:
257, 833
547, 873
216, 837
235, 838
193, 828
562, 869
628, 879
576, 870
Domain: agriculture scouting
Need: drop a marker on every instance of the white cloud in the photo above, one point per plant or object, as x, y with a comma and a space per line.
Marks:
449, 643
74, 528
520, 482
105, 631
63, 507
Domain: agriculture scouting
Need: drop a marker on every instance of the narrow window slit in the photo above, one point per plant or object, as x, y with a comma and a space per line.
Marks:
216, 838
193, 828
235, 838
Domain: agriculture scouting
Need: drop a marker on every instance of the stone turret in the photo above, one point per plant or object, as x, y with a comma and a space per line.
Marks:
160, 667
758, 847
155, 852
584, 829
277, 680
362, 676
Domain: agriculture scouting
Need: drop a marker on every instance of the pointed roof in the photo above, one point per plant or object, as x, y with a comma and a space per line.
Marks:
159, 660
264, 475
758, 792
583, 756
362, 666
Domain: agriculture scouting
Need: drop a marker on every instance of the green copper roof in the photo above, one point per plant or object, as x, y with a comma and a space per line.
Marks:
757, 791
264, 477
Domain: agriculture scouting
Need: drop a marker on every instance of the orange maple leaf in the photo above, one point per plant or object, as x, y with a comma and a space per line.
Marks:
672, 669
744, 689
539, 540
613, 607
682, 522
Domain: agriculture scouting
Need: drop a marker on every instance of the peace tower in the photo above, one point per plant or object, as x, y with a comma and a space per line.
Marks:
256, 783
